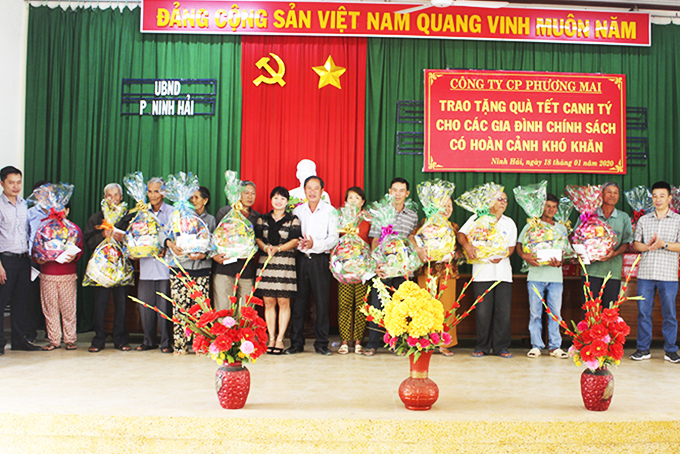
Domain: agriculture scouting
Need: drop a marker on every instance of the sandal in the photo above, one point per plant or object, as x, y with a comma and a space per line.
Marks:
166, 350
358, 349
276, 351
71, 346
50, 347
344, 349
94, 349
369, 352
124, 348
478, 354
505, 354
534, 353
559, 353
445, 351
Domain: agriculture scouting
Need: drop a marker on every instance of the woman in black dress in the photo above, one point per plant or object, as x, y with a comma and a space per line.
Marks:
277, 234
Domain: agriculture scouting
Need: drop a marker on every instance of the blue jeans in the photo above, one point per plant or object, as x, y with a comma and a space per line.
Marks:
667, 292
552, 292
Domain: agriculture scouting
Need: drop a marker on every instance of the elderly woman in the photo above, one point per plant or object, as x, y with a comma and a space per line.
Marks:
277, 234
197, 266
438, 271
113, 194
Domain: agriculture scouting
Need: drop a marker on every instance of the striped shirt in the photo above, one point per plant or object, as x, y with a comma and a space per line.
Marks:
13, 225
404, 223
661, 264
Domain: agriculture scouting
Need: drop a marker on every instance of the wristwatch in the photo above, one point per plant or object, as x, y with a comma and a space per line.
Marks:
665, 245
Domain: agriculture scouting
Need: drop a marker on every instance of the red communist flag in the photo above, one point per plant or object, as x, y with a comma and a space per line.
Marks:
292, 111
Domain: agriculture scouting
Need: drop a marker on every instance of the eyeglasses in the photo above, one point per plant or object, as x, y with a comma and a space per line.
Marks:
501, 199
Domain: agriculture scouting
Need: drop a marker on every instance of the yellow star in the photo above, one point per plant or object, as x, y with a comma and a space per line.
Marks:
329, 73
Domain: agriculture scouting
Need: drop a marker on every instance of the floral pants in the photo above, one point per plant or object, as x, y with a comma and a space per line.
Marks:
58, 297
180, 294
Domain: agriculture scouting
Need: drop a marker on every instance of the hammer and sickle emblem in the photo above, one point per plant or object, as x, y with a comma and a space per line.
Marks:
276, 76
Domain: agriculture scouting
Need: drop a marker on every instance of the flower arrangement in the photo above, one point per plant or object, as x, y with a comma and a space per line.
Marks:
413, 318
234, 335
597, 339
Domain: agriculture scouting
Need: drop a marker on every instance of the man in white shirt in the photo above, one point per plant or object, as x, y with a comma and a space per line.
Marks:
319, 235
493, 313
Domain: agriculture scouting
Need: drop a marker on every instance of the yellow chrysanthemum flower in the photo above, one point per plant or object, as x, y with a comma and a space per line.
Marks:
414, 311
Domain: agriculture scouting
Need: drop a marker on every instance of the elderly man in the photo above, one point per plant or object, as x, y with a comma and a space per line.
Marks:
113, 194
547, 280
405, 222
612, 262
657, 238
15, 266
493, 313
224, 275
319, 235
154, 277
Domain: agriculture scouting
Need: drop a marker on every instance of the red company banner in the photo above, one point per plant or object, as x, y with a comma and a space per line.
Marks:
397, 20
533, 122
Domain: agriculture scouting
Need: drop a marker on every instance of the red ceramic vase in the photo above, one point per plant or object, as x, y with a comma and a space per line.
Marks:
597, 389
418, 392
232, 382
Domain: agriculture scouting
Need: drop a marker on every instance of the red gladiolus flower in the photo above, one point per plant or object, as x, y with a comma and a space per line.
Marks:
232, 299
200, 344
443, 287
610, 315
196, 294
616, 351
258, 278
369, 318
256, 301
207, 318
222, 313
174, 320
455, 305
195, 308
577, 345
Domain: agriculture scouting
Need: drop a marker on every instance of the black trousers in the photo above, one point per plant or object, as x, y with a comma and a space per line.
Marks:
611, 291
150, 319
16, 292
375, 333
101, 303
493, 317
313, 276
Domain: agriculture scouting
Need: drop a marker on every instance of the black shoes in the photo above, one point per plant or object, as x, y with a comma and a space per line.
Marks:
293, 350
640, 355
323, 351
27, 347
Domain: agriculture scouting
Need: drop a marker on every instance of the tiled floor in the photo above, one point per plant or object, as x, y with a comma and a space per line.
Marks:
313, 386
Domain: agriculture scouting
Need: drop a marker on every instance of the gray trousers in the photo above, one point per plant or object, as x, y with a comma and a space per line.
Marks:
223, 288
493, 317
151, 321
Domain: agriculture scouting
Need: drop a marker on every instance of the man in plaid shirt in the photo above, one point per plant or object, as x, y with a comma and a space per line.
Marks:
657, 238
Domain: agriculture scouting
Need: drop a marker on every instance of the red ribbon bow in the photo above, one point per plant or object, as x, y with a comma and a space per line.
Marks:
58, 215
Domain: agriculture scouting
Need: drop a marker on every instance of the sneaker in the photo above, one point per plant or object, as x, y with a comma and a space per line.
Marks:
672, 357
639, 355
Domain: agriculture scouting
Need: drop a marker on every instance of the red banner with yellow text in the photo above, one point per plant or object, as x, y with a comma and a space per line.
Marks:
534, 122
396, 20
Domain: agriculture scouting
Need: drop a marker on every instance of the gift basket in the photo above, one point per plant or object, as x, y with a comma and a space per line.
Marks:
596, 236
108, 266
234, 236
484, 236
541, 237
141, 238
393, 254
56, 233
675, 199
564, 210
185, 227
351, 261
640, 200
436, 235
